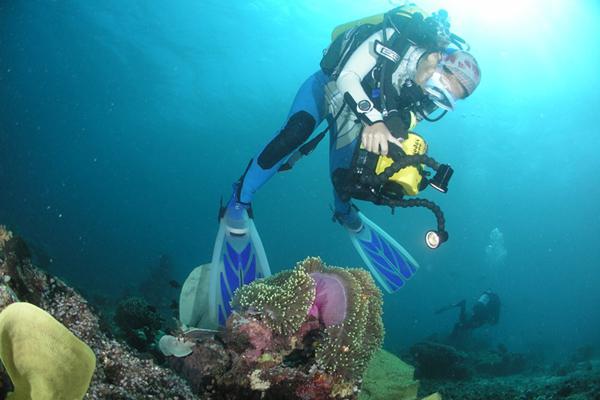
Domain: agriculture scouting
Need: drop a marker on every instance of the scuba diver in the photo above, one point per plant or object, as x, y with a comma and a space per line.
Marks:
485, 311
379, 77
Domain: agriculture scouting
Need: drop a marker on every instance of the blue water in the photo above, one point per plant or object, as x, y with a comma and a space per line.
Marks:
123, 123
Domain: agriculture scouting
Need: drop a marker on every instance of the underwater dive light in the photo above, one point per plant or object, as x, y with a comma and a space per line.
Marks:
442, 178
433, 239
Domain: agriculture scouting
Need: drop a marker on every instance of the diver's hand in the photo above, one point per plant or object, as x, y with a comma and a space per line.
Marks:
375, 138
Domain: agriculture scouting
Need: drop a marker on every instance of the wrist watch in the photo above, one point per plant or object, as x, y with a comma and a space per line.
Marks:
364, 106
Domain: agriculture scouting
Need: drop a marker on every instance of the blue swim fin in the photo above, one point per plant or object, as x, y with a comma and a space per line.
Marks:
388, 261
238, 259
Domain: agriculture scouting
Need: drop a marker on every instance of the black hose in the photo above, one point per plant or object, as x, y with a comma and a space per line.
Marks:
403, 161
434, 208
435, 119
399, 163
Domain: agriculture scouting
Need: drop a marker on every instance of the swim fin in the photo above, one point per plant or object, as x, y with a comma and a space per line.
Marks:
388, 261
238, 259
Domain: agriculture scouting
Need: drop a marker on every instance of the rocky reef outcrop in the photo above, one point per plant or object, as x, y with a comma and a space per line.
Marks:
306, 333
121, 373
497, 373
313, 332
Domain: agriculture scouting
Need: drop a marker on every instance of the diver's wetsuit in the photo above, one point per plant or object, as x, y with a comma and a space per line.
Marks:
306, 113
485, 311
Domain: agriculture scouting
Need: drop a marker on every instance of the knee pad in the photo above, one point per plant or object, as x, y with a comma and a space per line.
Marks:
296, 131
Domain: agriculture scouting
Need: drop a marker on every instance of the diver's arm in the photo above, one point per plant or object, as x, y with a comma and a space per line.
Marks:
375, 134
360, 63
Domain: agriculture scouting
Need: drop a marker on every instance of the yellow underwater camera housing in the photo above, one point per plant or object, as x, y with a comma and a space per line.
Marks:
387, 180
409, 178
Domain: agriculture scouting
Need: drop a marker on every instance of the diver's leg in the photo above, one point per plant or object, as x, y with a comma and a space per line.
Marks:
388, 261
340, 161
305, 114
346, 214
238, 256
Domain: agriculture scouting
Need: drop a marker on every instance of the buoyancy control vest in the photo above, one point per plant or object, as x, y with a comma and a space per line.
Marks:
388, 85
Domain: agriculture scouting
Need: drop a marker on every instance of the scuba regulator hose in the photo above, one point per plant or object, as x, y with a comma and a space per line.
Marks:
433, 238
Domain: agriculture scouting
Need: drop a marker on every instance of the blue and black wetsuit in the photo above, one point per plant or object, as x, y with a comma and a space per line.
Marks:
307, 112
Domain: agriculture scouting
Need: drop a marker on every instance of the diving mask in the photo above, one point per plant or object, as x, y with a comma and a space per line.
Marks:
437, 90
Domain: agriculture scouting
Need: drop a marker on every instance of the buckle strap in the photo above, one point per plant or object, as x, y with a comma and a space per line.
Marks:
386, 52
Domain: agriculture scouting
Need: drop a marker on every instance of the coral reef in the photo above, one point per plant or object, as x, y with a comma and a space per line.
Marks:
435, 360
120, 373
24, 282
5, 235
438, 361
581, 382
308, 333
497, 373
138, 323
498, 362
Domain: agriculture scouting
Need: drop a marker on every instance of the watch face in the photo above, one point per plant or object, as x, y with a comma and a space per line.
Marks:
364, 105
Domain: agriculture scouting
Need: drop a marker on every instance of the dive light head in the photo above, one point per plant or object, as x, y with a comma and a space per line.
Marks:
433, 239
442, 178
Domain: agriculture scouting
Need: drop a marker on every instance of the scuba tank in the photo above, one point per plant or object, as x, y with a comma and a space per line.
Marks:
406, 11
347, 37
413, 24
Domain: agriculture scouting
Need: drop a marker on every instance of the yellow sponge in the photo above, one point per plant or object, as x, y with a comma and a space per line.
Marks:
43, 358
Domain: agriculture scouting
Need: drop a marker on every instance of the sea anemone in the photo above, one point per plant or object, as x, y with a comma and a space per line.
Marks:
347, 346
346, 302
282, 300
